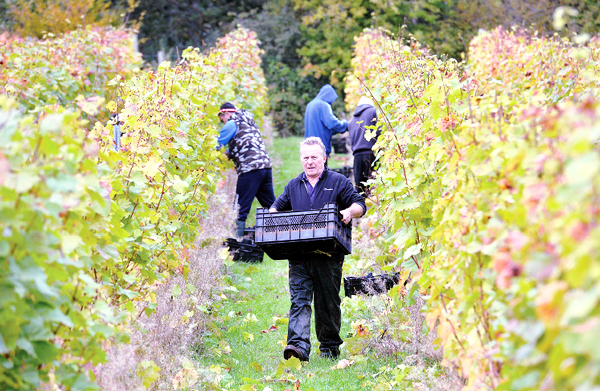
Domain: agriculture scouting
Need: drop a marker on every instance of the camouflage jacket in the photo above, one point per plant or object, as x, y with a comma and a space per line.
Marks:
246, 148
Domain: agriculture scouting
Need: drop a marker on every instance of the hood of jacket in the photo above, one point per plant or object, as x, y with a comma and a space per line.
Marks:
327, 94
361, 109
363, 104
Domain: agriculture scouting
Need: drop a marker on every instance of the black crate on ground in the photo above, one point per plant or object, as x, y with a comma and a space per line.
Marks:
345, 171
370, 284
245, 251
340, 145
285, 234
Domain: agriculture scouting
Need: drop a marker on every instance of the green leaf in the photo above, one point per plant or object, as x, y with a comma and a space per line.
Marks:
579, 305
30, 375
176, 291
581, 170
56, 315
410, 299
250, 270
3, 348
25, 181
52, 123
24, 344
293, 363
407, 203
62, 184
46, 351
70, 243
256, 366
37, 331
4, 248
180, 186
412, 250
404, 235
410, 265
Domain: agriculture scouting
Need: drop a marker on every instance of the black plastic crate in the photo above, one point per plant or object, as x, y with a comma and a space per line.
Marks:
285, 234
245, 251
370, 284
345, 171
340, 145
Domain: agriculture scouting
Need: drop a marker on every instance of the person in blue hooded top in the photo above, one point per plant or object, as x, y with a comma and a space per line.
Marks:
319, 120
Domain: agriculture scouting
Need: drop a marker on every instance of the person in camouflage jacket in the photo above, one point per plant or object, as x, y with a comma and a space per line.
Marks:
249, 155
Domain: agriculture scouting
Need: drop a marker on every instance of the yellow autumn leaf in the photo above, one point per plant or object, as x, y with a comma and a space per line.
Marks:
342, 364
179, 185
112, 106
152, 166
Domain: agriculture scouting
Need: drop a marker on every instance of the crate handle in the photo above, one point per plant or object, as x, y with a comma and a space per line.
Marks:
305, 216
320, 211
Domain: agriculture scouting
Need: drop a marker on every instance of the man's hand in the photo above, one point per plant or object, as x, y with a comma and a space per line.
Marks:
346, 216
355, 210
272, 210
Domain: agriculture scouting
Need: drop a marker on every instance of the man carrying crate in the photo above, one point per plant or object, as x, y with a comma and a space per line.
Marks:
317, 274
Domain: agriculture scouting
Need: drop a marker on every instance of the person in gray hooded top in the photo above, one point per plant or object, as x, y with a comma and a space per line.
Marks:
364, 116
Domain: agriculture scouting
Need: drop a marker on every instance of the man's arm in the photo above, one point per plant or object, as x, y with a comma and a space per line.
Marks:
349, 196
227, 133
355, 210
332, 123
282, 202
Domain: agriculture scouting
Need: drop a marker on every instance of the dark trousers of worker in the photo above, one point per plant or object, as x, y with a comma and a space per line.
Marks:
363, 167
319, 277
257, 183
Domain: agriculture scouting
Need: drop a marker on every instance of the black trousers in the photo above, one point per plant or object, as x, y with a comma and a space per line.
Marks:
363, 167
318, 277
257, 183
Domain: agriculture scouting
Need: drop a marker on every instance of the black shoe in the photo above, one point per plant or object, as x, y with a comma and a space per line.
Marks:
292, 351
330, 353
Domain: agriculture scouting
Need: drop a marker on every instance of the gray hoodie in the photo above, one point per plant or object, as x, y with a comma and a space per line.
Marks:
365, 112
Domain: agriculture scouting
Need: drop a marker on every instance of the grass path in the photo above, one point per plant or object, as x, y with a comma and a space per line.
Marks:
244, 347
249, 332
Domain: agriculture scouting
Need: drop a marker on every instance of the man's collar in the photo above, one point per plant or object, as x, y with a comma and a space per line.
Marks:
305, 178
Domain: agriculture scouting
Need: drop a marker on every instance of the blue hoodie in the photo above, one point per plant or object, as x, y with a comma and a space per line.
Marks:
319, 120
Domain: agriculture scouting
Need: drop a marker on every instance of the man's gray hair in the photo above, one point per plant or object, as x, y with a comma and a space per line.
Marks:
314, 141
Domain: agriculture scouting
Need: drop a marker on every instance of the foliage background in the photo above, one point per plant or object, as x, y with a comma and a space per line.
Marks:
89, 234
309, 43
486, 191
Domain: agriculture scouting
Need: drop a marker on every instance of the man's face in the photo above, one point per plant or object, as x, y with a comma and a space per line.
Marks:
224, 117
313, 160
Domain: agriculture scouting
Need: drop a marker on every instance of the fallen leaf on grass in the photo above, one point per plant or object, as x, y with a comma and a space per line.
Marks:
256, 366
361, 330
342, 364
272, 328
